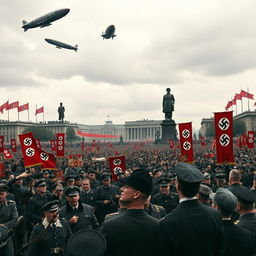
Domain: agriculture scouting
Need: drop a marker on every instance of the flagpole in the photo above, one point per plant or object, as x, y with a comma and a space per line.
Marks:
242, 105
18, 115
248, 99
43, 113
8, 110
236, 110
28, 113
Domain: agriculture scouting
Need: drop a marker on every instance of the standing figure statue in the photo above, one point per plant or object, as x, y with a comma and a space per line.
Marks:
61, 111
168, 104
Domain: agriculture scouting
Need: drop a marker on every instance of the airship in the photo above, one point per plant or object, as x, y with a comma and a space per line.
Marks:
109, 32
45, 21
61, 45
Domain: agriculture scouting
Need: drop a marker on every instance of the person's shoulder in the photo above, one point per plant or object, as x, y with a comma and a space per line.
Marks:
11, 202
87, 206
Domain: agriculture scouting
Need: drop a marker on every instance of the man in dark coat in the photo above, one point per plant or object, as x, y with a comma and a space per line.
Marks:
237, 241
134, 226
50, 236
80, 216
192, 228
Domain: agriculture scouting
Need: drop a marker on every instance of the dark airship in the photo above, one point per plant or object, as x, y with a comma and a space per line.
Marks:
110, 31
45, 21
60, 45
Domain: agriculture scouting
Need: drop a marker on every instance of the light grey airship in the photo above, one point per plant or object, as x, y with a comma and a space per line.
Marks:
109, 32
61, 45
45, 21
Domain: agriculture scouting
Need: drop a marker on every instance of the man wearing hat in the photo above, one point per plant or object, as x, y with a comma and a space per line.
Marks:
106, 199
94, 182
79, 215
134, 227
70, 180
237, 241
165, 198
220, 181
203, 195
193, 228
246, 209
50, 236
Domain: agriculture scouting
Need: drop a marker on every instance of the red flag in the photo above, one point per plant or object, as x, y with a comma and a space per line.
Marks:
211, 155
60, 139
246, 94
82, 146
203, 142
244, 140
13, 105
53, 145
228, 105
213, 146
23, 107
186, 142
116, 165
233, 102
238, 96
251, 139
171, 143
14, 145
7, 154
47, 160
1, 144
2, 172
38, 143
39, 110
224, 137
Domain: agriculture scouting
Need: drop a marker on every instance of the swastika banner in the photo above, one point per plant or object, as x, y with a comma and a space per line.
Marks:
60, 141
250, 139
116, 165
7, 154
224, 137
14, 145
1, 144
186, 142
203, 141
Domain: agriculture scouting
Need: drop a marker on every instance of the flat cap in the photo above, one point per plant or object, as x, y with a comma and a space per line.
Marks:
225, 199
51, 206
246, 195
72, 191
188, 173
40, 183
205, 190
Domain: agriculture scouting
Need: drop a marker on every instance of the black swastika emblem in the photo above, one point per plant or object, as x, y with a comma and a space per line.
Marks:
185, 133
60, 143
60, 148
30, 152
27, 142
60, 138
186, 145
117, 161
117, 170
224, 124
250, 135
250, 140
44, 156
224, 140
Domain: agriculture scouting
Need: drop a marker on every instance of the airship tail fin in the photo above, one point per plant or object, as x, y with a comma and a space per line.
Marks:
113, 37
76, 47
24, 22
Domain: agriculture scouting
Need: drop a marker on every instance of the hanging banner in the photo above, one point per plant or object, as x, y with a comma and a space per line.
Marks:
38, 143
224, 137
14, 145
203, 141
186, 142
53, 145
1, 144
7, 154
250, 141
60, 141
116, 165
171, 143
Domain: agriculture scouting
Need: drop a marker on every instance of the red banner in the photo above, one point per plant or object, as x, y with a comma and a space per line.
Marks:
250, 141
7, 154
246, 94
203, 142
47, 160
224, 137
53, 145
238, 96
82, 146
75, 160
23, 107
39, 110
1, 144
229, 104
2, 172
13, 145
186, 142
13, 105
38, 143
116, 165
171, 143
60, 139
93, 135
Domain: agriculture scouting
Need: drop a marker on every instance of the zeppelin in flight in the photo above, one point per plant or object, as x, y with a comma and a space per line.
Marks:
110, 31
45, 21
60, 45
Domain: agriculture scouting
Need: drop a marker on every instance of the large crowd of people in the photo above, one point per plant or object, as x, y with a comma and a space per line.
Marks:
158, 206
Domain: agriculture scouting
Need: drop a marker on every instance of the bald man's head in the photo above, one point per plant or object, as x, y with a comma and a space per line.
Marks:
234, 176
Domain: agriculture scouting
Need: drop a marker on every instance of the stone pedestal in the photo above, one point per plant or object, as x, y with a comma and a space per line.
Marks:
168, 131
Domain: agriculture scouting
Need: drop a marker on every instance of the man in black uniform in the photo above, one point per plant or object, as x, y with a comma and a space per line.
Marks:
165, 198
107, 196
80, 216
237, 241
87, 195
203, 195
193, 228
220, 182
154, 210
134, 226
50, 236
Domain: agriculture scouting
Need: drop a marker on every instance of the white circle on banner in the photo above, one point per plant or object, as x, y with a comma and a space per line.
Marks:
27, 142
30, 152
60, 137
117, 170
5, 151
224, 124
117, 161
251, 135
60, 148
224, 140
250, 140
60, 142
44, 156
185, 133
186, 145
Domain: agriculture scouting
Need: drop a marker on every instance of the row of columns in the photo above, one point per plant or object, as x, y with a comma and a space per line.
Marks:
141, 133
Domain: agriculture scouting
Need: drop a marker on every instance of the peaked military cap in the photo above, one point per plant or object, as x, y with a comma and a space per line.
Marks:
246, 195
40, 183
51, 206
106, 176
70, 178
188, 173
205, 190
220, 176
3, 187
164, 181
72, 191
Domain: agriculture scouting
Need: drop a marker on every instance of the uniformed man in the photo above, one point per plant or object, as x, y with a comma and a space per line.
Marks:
168, 200
94, 182
87, 195
154, 210
79, 215
58, 193
203, 195
139, 230
193, 228
237, 241
220, 182
50, 236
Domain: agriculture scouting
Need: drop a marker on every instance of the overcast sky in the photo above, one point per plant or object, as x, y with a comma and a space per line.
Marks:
203, 50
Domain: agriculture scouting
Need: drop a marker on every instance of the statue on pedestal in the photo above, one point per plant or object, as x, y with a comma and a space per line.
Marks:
168, 104
61, 111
